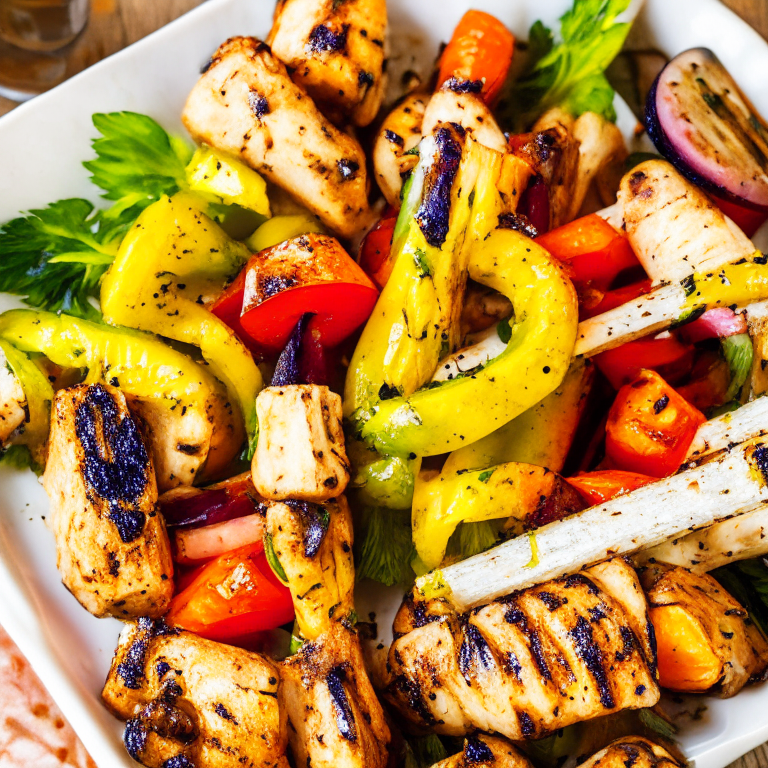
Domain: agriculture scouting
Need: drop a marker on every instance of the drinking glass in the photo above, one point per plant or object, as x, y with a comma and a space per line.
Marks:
35, 36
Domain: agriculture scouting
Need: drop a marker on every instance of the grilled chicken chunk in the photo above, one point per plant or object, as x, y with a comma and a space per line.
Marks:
553, 153
246, 104
336, 51
113, 550
673, 227
399, 133
632, 751
335, 719
451, 104
706, 642
489, 751
314, 547
188, 445
522, 666
194, 702
300, 453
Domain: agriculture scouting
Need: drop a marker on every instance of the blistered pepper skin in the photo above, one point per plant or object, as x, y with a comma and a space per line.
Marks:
170, 264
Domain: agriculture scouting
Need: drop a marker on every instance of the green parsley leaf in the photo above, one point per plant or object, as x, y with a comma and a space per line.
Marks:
423, 751
567, 69
137, 162
55, 257
19, 457
484, 477
387, 549
504, 331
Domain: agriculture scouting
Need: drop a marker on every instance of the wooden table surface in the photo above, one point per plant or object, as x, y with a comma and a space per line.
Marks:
117, 23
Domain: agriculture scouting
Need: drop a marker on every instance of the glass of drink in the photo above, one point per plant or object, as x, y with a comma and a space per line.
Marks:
35, 36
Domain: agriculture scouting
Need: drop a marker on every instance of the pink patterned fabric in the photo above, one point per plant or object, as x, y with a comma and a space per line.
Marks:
33, 732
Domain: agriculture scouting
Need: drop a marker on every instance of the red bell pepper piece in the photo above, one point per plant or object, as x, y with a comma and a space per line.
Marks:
749, 220
667, 356
481, 48
604, 485
615, 298
650, 427
376, 249
595, 252
310, 273
232, 598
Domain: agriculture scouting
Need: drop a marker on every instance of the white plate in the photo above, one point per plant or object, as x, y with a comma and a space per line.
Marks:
41, 146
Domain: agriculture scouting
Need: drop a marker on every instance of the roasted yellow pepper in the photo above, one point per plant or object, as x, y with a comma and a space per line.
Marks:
542, 435
460, 411
440, 503
733, 284
38, 393
172, 261
281, 228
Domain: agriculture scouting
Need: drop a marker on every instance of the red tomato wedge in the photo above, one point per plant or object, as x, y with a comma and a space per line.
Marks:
192, 546
481, 48
376, 249
232, 598
650, 427
615, 298
604, 485
667, 356
309, 273
595, 252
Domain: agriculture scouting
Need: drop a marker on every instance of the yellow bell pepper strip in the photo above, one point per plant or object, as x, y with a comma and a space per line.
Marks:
440, 503
542, 435
140, 365
38, 393
235, 194
415, 321
281, 228
460, 411
738, 284
228, 180
171, 262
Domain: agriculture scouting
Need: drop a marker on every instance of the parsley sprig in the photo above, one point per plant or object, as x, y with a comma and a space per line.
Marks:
568, 69
55, 256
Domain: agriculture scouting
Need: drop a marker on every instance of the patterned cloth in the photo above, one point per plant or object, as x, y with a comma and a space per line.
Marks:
33, 732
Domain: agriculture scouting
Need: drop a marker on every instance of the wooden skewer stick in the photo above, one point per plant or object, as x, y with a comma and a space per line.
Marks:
728, 485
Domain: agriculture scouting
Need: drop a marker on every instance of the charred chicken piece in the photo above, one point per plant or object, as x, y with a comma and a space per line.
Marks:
451, 104
336, 51
112, 546
553, 153
336, 720
246, 104
706, 641
482, 750
300, 453
522, 666
632, 751
399, 133
314, 547
194, 702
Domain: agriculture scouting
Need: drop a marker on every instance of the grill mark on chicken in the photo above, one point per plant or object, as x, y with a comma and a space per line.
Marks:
258, 103
592, 656
168, 721
322, 38
345, 719
457, 85
477, 751
315, 520
513, 615
347, 168
517, 222
135, 738
116, 461
434, 212
474, 649
178, 761
132, 669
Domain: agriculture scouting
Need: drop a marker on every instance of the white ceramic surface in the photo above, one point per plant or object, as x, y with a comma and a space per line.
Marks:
41, 146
